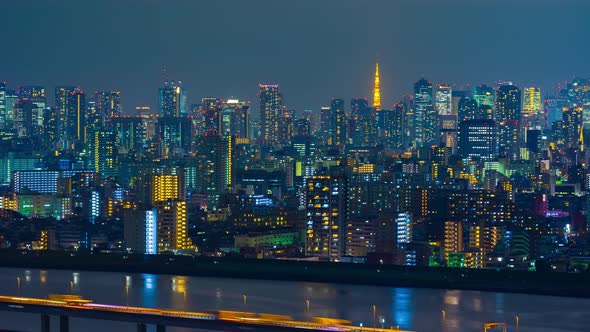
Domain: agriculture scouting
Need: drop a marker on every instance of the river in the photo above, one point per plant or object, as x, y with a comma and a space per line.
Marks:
413, 309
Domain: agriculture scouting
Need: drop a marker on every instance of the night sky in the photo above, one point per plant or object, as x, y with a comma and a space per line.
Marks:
315, 49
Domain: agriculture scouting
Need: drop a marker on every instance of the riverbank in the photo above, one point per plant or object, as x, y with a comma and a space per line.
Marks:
542, 283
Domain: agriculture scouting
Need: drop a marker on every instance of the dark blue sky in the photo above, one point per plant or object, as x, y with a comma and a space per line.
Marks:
316, 49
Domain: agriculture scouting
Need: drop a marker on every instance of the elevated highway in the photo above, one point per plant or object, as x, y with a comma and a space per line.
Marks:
66, 306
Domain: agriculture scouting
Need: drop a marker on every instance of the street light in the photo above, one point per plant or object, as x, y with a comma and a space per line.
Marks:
374, 317
18, 282
517, 319
245, 299
361, 325
307, 305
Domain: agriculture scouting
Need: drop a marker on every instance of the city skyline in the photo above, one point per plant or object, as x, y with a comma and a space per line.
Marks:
129, 56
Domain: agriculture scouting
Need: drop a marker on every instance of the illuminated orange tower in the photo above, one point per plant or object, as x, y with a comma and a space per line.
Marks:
377, 89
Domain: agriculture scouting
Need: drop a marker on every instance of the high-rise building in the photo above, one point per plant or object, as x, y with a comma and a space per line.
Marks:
507, 116
361, 235
23, 117
271, 107
166, 187
130, 133
443, 99
337, 124
3, 118
108, 106
325, 216
324, 127
211, 110
467, 108
10, 101
175, 135
391, 126
377, 89
425, 118
363, 123
448, 131
215, 166
170, 99
572, 125
484, 95
554, 107
104, 152
172, 226
71, 107
37, 96
286, 126
403, 236
141, 231
532, 108
302, 127
578, 91
453, 240
478, 139
235, 118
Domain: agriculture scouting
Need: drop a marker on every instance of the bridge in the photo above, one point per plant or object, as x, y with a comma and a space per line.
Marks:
66, 306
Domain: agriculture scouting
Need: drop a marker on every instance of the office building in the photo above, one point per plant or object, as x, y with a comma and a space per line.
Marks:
337, 124
532, 108
108, 107
507, 116
477, 140
171, 99
443, 99
425, 117
363, 123
271, 107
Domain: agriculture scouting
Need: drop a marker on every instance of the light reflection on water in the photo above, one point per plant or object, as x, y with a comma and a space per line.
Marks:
414, 309
401, 309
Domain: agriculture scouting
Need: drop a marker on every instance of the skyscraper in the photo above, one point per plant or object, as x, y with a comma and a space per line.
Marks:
363, 123
108, 106
337, 127
286, 119
391, 126
377, 89
175, 135
104, 152
36, 95
3, 105
130, 133
507, 116
170, 99
425, 118
443, 99
271, 106
532, 108
211, 110
478, 139
235, 118
468, 108
71, 105
484, 95
215, 166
